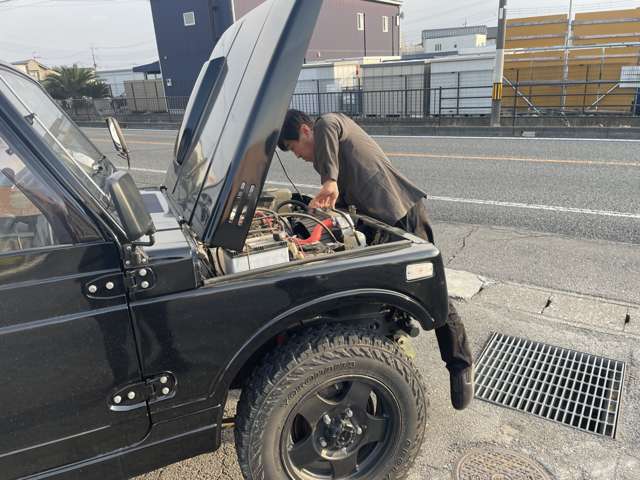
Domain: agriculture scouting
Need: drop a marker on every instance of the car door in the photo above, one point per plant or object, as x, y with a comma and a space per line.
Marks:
66, 339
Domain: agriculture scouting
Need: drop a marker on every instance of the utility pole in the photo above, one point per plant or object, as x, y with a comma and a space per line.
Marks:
364, 32
93, 55
568, 42
498, 72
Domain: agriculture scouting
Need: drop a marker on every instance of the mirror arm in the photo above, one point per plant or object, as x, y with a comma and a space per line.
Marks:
125, 156
150, 243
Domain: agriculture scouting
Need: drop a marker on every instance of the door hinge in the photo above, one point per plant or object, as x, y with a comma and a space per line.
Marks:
106, 286
135, 256
151, 390
141, 279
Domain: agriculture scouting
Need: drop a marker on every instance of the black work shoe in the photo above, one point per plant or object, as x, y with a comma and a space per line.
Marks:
461, 388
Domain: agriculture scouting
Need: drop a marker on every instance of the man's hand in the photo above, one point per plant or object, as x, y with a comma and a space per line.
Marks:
327, 196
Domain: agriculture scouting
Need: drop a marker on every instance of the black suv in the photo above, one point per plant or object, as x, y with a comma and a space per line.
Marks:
126, 317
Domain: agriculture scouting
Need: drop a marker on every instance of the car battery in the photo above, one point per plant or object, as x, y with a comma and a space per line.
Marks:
258, 252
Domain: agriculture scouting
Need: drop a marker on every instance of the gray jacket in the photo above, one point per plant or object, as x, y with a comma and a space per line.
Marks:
366, 178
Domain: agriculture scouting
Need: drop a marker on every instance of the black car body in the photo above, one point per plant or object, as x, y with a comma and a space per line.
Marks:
118, 357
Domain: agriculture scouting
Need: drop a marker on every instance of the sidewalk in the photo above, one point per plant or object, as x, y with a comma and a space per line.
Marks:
584, 323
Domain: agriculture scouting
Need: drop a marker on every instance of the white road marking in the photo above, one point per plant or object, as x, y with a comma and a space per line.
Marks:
556, 139
529, 206
160, 130
493, 203
134, 169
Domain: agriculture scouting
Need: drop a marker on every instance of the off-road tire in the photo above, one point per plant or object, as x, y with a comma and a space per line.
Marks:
309, 360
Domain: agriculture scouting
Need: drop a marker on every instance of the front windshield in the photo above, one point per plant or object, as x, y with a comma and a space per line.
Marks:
64, 138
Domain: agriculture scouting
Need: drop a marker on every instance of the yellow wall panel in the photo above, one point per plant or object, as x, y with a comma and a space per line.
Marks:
607, 29
537, 30
534, 43
544, 18
608, 15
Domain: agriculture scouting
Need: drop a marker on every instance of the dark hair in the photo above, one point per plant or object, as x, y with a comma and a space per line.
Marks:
293, 120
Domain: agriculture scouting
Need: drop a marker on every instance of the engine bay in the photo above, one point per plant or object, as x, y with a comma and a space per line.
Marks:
284, 229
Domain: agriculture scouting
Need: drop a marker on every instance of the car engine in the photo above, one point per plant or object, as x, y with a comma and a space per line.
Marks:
284, 229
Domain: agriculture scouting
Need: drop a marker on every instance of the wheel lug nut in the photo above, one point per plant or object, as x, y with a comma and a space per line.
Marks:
326, 419
348, 413
323, 443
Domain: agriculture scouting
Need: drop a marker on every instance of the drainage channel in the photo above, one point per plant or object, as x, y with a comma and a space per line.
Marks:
572, 388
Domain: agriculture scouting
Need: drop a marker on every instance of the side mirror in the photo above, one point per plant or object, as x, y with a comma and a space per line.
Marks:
117, 137
130, 207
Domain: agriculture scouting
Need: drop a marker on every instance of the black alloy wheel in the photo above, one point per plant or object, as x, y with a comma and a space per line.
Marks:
332, 403
343, 430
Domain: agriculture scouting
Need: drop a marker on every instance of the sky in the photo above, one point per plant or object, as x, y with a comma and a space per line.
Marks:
119, 33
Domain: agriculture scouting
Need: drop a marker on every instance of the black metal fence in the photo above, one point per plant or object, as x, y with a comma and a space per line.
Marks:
520, 100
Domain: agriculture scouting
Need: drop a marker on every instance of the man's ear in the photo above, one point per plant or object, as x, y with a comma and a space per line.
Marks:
305, 131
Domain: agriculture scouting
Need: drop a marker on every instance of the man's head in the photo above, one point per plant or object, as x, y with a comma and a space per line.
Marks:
297, 135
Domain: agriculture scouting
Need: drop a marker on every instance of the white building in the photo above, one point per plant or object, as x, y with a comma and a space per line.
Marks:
461, 84
447, 41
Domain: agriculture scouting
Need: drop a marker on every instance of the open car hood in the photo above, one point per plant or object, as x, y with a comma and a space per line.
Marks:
233, 120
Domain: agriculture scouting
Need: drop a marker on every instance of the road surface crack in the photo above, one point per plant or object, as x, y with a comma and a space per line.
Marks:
463, 246
547, 305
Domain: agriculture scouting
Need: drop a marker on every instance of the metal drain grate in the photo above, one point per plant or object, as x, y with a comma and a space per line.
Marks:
569, 387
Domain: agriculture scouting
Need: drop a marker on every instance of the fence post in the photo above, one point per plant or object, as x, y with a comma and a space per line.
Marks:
515, 104
406, 97
586, 86
458, 96
133, 93
440, 102
318, 96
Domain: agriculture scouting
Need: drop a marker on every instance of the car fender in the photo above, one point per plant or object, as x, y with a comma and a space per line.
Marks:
306, 314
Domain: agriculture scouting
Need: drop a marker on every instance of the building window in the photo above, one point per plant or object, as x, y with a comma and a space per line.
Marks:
438, 47
360, 21
189, 19
385, 24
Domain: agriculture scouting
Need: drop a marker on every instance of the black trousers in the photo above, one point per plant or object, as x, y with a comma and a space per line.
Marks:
452, 337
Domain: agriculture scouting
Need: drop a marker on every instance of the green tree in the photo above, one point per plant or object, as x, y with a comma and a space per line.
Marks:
74, 82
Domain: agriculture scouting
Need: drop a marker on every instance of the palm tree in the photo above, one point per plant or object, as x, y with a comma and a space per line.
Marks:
74, 82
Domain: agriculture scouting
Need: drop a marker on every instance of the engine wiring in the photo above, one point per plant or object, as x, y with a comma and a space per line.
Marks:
310, 217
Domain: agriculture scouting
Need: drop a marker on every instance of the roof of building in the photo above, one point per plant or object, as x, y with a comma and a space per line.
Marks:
153, 67
454, 32
24, 62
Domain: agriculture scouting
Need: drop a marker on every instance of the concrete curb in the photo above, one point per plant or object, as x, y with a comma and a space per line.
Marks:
575, 309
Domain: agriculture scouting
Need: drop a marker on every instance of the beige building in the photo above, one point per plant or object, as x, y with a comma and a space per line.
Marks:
33, 68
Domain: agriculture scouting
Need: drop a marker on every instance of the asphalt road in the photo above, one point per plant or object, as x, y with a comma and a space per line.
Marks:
586, 189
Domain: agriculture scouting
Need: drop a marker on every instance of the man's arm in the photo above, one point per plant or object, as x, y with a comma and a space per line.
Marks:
326, 161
